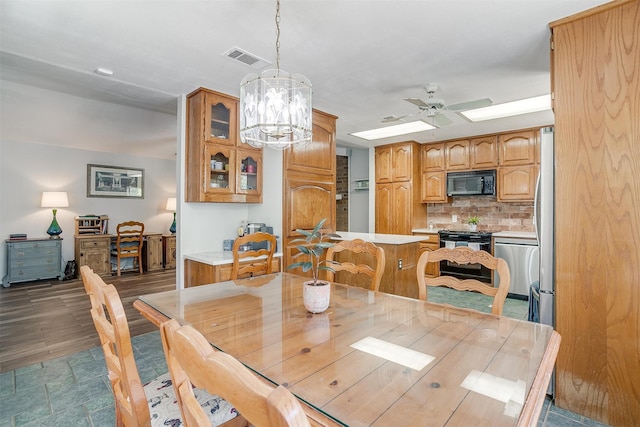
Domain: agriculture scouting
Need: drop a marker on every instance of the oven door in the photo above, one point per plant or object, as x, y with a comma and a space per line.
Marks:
466, 271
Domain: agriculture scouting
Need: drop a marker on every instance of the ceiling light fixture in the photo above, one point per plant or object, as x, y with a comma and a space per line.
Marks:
396, 130
508, 109
275, 107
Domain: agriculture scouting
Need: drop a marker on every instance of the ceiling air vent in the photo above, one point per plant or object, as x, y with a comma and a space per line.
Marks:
245, 57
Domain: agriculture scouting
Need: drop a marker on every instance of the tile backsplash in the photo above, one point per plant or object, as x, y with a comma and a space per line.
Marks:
494, 215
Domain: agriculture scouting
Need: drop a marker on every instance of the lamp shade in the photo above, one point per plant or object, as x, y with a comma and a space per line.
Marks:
171, 204
54, 199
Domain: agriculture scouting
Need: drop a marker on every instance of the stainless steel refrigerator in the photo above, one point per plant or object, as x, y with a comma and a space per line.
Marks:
544, 225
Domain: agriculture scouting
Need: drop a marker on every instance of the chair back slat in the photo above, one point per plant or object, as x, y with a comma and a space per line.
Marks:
256, 267
464, 255
357, 246
191, 359
129, 241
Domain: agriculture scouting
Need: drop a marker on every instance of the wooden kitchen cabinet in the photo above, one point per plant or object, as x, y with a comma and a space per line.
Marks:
198, 273
483, 152
309, 184
433, 157
399, 206
434, 187
221, 167
432, 269
395, 162
518, 148
457, 155
517, 183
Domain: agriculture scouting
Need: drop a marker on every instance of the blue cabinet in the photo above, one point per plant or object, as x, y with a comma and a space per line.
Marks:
33, 259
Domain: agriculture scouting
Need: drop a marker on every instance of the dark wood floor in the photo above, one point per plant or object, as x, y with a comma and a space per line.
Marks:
47, 319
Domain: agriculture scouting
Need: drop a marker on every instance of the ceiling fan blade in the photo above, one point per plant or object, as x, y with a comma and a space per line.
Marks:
441, 120
417, 102
478, 103
389, 119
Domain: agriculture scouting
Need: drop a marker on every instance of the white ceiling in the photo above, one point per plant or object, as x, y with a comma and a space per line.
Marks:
362, 57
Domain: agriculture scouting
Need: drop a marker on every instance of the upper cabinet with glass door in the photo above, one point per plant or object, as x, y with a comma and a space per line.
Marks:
219, 168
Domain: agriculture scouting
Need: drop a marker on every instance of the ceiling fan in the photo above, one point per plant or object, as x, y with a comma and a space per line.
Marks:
435, 107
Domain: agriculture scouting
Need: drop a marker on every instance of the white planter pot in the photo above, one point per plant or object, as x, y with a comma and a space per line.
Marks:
316, 298
473, 227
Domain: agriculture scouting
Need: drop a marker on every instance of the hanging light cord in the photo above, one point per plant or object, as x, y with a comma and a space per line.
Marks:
278, 36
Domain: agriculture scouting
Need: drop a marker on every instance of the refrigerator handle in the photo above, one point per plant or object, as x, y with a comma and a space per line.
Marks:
536, 209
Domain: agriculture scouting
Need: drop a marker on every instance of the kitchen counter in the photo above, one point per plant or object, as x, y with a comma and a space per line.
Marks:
218, 257
387, 239
516, 234
425, 230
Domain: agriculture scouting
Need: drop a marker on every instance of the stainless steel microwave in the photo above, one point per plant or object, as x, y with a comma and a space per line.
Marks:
471, 183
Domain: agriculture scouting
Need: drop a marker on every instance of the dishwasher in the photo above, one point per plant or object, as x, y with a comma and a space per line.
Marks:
520, 255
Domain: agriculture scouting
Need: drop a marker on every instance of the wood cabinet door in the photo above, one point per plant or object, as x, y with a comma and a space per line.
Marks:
153, 253
319, 157
219, 172
432, 157
457, 155
517, 148
433, 268
517, 183
220, 119
249, 174
402, 162
383, 165
383, 208
484, 152
434, 187
401, 207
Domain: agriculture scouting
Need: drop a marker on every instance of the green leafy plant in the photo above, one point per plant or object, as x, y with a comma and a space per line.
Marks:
313, 245
473, 220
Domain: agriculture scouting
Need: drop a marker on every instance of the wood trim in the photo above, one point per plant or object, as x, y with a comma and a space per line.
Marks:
589, 12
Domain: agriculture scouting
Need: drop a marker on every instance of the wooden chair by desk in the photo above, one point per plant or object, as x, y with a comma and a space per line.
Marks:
465, 255
129, 243
133, 400
357, 246
191, 359
260, 266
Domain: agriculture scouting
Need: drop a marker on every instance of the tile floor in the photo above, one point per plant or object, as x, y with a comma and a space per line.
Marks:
75, 391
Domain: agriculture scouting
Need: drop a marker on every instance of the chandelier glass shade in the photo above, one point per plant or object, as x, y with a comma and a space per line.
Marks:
275, 106
275, 109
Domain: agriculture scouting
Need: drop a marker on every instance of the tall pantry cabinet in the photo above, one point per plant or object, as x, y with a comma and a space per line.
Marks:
595, 84
399, 206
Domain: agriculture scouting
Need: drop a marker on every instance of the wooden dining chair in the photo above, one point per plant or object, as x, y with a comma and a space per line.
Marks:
151, 404
464, 255
192, 360
267, 247
351, 248
129, 242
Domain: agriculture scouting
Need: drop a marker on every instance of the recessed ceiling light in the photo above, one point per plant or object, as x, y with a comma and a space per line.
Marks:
103, 71
396, 130
508, 109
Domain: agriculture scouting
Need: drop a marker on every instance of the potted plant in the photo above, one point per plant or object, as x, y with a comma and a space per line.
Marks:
316, 292
473, 223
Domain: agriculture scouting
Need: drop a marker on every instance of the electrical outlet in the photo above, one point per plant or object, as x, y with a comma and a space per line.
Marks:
454, 218
400, 264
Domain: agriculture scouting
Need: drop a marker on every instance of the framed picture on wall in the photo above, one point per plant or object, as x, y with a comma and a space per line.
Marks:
115, 181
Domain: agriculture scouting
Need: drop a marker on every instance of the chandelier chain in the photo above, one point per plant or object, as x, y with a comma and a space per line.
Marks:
278, 36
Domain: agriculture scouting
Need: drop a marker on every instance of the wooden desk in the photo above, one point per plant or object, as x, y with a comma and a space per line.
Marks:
94, 250
263, 323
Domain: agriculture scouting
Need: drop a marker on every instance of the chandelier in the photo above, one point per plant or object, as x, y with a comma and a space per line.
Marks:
275, 107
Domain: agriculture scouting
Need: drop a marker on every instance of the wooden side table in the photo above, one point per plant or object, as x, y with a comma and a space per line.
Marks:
169, 250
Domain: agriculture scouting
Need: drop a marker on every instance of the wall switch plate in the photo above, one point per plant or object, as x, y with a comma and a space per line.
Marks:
454, 218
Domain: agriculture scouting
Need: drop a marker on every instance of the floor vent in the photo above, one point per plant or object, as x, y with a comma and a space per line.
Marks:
246, 58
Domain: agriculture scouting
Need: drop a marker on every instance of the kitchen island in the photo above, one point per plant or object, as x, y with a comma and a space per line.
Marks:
201, 268
401, 256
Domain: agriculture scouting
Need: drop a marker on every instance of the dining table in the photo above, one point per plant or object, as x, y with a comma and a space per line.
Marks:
372, 358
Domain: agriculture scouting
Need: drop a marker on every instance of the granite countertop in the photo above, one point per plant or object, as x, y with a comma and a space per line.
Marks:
389, 239
218, 257
516, 234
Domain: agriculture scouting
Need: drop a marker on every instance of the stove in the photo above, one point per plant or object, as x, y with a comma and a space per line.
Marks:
477, 240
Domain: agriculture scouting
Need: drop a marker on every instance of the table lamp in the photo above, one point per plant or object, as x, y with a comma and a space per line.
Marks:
171, 206
54, 199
